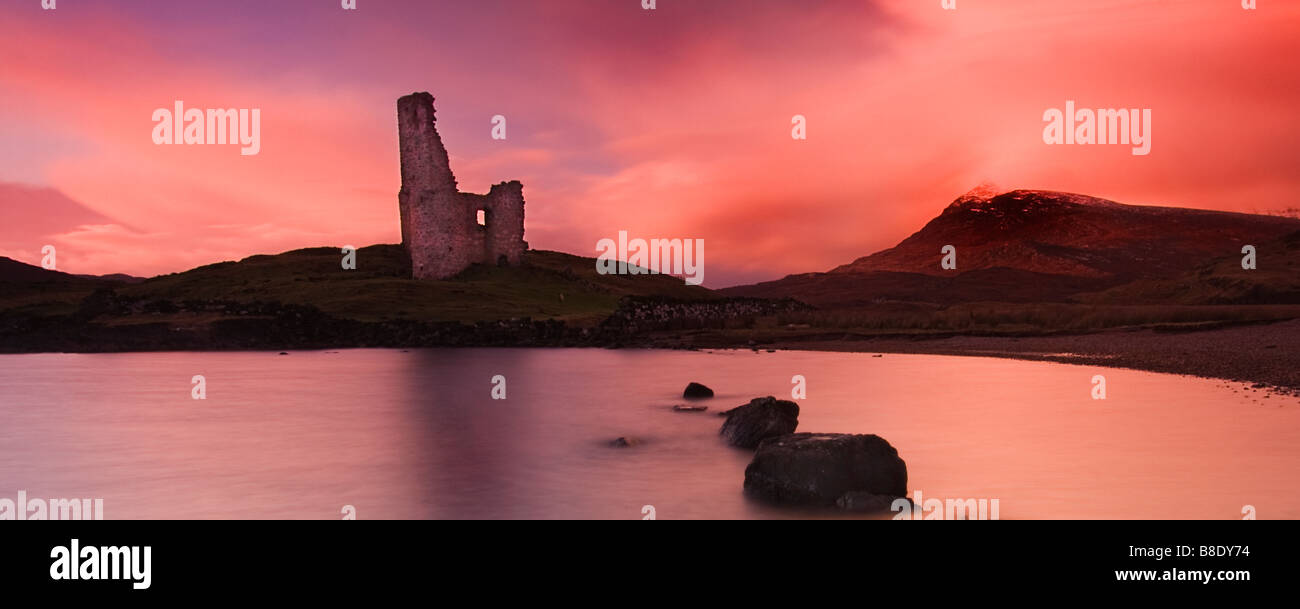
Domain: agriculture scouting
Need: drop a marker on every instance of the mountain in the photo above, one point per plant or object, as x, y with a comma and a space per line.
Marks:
1041, 246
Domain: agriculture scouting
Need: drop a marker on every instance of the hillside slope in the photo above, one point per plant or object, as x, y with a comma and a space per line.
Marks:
1275, 280
1034, 246
550, 285
25, 288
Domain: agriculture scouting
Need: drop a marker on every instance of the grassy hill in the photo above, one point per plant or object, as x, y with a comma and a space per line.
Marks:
549, 285
32, 290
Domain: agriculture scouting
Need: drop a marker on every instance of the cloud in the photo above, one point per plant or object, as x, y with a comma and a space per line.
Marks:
672, 123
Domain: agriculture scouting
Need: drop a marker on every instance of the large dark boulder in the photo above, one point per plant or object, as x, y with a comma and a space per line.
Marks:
822, 469
696, 390
760, 419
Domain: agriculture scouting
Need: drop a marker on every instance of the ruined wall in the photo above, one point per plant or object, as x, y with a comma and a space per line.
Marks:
505, 224
424, 159
471, 203
439, 224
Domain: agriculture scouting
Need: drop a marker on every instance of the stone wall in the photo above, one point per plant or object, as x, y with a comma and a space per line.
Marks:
504, 244
440, 226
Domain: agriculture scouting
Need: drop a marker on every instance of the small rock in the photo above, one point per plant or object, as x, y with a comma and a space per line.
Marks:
758, 420
696, 390
624, 442
689, 408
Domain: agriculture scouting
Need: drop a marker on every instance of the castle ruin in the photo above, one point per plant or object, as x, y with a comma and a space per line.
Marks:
442, 229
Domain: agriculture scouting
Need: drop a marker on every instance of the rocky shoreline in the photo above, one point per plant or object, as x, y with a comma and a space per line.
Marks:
105, 322
1261, 354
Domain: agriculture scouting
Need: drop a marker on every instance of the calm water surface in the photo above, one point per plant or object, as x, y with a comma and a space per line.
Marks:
416, 434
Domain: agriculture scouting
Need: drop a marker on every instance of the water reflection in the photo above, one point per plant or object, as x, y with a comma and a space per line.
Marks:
417, 434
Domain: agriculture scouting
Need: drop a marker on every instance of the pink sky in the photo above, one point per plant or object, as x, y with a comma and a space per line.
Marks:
666, 123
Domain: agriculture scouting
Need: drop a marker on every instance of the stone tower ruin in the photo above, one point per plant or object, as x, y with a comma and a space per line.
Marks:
440, 225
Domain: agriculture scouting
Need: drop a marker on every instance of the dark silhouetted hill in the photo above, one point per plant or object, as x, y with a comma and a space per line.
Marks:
1028, 246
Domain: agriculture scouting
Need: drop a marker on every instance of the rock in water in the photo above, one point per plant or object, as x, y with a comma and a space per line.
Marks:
696, 390
758, 420
689, 408
858, 472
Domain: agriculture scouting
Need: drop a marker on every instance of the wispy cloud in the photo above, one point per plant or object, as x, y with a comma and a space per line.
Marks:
672, 122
